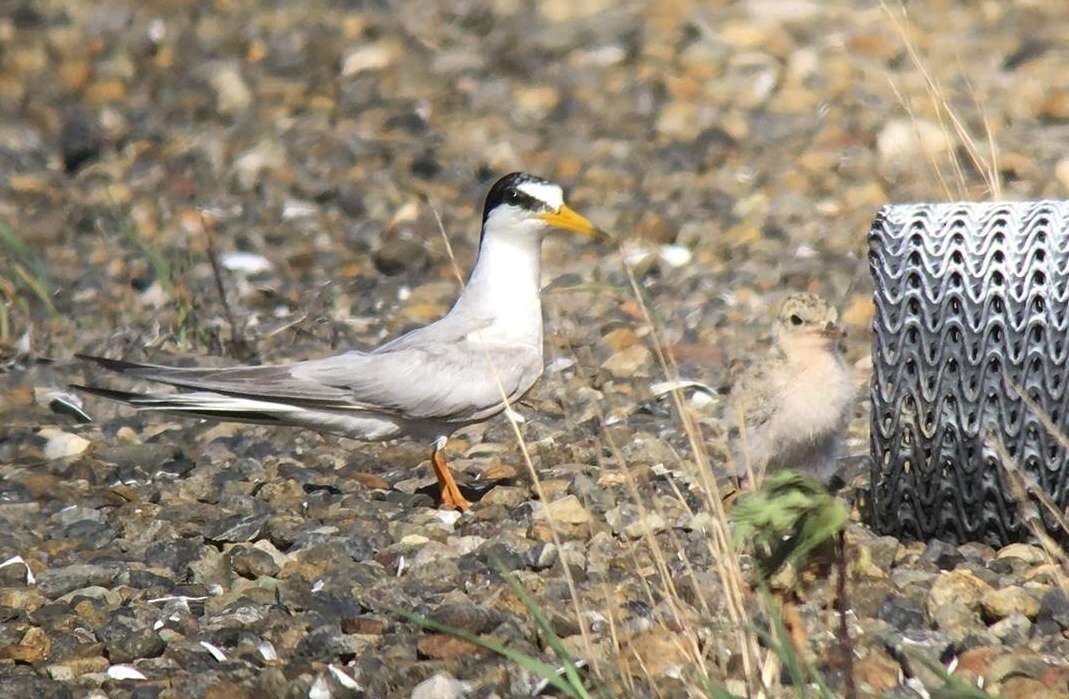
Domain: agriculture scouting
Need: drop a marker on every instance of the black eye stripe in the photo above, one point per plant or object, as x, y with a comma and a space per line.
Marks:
523, 200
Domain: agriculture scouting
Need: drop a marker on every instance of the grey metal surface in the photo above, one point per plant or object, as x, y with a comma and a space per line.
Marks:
971, 302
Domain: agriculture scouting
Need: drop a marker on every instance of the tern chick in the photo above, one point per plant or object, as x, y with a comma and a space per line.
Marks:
791, 406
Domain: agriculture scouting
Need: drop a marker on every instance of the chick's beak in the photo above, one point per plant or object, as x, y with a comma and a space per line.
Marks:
568, 220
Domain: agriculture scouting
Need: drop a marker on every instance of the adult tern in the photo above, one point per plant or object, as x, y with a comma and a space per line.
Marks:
423, 385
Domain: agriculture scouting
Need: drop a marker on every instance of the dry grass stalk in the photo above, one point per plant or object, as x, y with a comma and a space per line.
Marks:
237, 337
721, 547
1023, 487
532, 471
956, 131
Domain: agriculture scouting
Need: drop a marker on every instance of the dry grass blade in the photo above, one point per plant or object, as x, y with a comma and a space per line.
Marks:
532, 472
237, 338
944, 113
35, 284
1063, 441
5, 320
1021, 486
845, 644
935, 95
27, 266
991, 174
779, 640
722, 549
672, 594
916, 132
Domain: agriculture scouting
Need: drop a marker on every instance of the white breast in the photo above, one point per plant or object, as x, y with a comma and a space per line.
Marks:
817, 393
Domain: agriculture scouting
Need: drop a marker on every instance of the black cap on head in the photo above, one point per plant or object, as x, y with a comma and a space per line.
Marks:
506, 191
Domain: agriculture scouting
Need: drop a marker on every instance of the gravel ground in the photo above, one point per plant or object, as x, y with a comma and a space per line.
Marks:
737, 148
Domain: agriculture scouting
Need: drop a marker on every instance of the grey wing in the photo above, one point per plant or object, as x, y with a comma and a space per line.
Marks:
273, 382
456, 382
453, 382
750, 409
455, 327
753, 397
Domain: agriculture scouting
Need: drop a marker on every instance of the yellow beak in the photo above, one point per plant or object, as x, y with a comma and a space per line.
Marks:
568, 220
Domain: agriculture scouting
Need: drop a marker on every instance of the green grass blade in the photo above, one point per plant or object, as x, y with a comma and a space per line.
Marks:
27, 266
715, 690
527, 662
36, 285
953, 687
19, 249
802, 672
570, 670
781, 644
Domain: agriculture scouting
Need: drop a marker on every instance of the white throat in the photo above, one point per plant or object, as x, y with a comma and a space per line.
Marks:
504, 287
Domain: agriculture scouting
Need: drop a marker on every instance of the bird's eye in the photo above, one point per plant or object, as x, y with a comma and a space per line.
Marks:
796, 319
512, 196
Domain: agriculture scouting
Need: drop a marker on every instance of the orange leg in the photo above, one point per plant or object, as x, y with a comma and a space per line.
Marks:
792, 619
450, 494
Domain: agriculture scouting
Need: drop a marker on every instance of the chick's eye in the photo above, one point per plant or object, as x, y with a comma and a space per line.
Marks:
796, 320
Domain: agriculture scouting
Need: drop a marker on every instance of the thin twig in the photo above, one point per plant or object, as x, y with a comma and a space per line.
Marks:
844, 627
237, 339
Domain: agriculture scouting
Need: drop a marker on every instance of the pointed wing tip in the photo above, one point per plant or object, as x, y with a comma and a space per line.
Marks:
119, 365
68, 404
111, 394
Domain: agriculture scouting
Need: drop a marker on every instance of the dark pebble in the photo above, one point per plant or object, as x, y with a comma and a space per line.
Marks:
351, 201
1054, 607
79, 142
469, 617
125, 645
902, 613
397, 255
237, 528
59, 581
30, 686
945, 556
252, 563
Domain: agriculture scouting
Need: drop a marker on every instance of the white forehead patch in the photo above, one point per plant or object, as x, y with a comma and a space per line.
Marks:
551, 194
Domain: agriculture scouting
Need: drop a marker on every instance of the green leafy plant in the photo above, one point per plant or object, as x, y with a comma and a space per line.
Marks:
788, 517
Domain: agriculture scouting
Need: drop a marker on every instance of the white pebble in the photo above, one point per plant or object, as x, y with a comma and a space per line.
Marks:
246, 262
219, 655
675, 255
125, 672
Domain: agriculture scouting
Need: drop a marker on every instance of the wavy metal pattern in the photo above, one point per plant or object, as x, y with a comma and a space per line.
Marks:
971, 299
